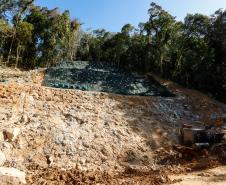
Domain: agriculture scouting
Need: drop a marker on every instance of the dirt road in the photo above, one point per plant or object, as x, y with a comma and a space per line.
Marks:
216, 176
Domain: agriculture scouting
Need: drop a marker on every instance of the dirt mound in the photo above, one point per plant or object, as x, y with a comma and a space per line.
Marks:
56, 133
92, 130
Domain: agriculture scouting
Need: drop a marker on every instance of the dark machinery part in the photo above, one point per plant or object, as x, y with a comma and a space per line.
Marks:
202, 137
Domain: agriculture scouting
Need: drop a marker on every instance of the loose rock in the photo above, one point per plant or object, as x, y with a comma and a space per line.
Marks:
12, 176
11, 134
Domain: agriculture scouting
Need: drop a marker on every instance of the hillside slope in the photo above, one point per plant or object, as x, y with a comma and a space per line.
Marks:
70, 129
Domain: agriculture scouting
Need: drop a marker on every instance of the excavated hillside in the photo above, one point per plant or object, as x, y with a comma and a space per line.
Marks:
76, 137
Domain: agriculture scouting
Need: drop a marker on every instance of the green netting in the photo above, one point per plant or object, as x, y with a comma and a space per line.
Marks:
91, 76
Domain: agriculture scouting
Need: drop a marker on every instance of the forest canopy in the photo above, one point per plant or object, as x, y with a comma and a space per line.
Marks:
191, 52
32, 36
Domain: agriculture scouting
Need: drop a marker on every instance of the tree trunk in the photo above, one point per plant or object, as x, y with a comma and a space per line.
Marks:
17, 55
187, 80
161, 64
10, 49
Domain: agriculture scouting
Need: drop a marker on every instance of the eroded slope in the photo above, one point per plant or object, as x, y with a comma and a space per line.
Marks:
68, 129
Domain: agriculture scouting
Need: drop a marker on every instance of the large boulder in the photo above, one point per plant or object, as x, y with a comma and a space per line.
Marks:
12, 176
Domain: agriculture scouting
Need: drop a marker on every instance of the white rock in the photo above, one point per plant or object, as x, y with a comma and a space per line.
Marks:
1, 137
16, 132
12, 176
7, 145
49, 160
2, 158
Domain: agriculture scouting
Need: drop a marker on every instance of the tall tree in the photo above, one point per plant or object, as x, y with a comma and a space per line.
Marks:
217, 41
159, 28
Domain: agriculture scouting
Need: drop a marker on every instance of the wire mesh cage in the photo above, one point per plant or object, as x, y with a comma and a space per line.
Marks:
102, 77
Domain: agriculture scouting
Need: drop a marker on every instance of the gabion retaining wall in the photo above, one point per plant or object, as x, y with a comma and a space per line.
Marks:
93, 76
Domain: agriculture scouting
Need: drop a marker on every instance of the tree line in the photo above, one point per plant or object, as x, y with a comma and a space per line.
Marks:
33, 36
191, 52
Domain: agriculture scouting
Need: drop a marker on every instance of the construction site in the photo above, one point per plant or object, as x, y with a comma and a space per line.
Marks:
81, 123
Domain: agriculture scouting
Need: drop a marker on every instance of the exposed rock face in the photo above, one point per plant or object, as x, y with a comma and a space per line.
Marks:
43, 128
11, 176
89, 129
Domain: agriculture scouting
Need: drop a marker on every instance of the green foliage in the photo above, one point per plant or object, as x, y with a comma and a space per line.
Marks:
190, 52
32, 36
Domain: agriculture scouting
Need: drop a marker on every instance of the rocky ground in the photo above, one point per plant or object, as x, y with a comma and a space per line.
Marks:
59, 136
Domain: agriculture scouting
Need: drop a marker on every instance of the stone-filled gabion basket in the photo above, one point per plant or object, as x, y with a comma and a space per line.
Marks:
101, 77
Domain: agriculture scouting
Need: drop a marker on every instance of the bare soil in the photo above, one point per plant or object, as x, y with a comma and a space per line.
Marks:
76, 137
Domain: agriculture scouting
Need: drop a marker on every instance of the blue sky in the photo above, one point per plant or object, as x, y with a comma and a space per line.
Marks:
113, 14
